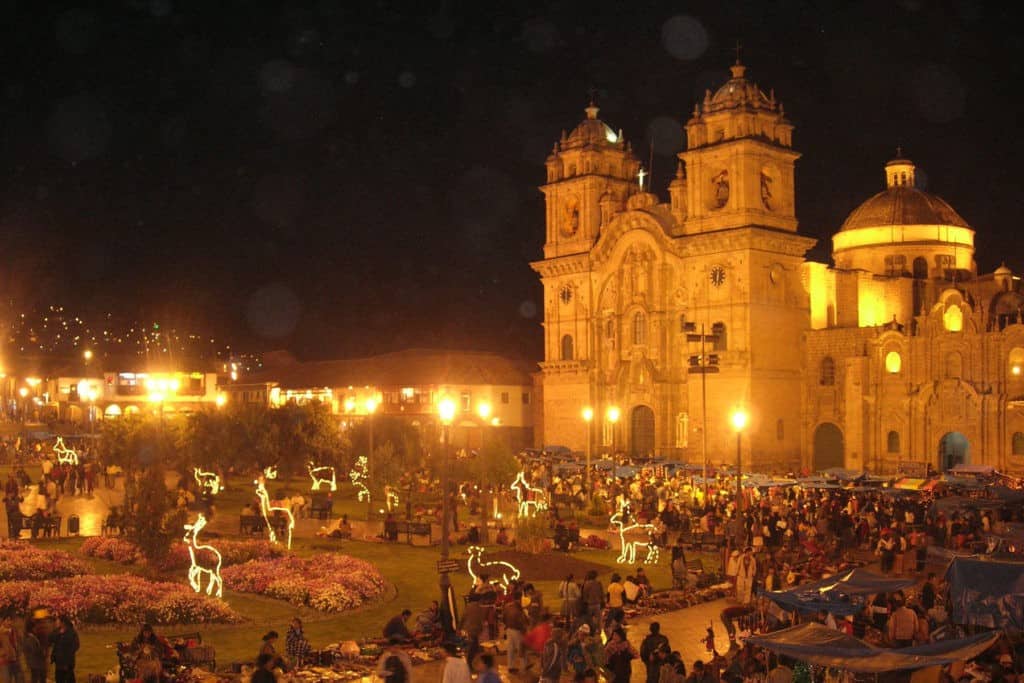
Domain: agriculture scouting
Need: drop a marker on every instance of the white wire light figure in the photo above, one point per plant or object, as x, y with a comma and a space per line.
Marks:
391, 499
267, 508
208, 480
528, 507
65, 455
630, 546
199, 567
477, 567
359, 475
319, 475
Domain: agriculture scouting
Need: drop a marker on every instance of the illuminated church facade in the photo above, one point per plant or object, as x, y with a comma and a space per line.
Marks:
664, 318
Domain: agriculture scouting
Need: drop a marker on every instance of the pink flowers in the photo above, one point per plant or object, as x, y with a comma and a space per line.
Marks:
121, 599
331, 583
108, 548
124, 551
24, 562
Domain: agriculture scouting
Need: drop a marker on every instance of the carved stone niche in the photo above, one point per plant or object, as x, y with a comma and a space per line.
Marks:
641, 200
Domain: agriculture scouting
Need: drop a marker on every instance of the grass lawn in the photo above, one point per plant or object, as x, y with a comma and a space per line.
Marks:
410, 570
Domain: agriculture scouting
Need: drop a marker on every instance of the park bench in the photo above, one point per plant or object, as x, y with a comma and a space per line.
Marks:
250, 524
321, 507
50, 527
411, 529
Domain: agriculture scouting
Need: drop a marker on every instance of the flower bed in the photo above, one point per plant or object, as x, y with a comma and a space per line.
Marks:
115, 599
330, 583
111, 548
25, 562
232, 552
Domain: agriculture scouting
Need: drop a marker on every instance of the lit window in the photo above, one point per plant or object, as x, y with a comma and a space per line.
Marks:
639, 328
828, 371
892, 442
893, 362
953, 319
567, 347
721, 342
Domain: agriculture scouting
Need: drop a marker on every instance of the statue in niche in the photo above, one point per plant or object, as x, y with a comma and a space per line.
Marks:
766, 190
721, 187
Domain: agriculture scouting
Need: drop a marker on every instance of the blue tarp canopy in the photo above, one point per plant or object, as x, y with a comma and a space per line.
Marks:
964, 468
816, 483
822, 646
843, 474
625, 471
604, 465
840, 594
986, 593
961, 503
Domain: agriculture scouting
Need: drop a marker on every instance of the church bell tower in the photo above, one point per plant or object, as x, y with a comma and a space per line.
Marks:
739, 160
590, 173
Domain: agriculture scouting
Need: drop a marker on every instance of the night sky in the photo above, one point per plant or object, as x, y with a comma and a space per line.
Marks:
342, 178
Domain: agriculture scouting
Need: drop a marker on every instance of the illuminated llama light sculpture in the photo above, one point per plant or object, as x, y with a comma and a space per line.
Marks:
65, 455
318, 473
360, 475
267, 508
391, 498
208, 480
630, 546
200, 566
477, 567
528, 507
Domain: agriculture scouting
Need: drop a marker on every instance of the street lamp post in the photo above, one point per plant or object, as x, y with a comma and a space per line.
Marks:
702, 365
483, 409
588, 418
23, 392
612, 414
446, 411
371, 408
739, 420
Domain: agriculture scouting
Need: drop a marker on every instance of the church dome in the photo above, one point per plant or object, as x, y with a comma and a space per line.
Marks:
738, 92
901, 203
591, 130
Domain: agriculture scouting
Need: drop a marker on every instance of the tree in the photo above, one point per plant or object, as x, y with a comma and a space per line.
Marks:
308, 433
397, 449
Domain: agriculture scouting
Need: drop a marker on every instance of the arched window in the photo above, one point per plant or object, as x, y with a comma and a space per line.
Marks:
893, 362
828, 372
1018, 443
954, 365
609, 328
639, 328
953, 318
721, 340
892, 442
1016, 363
920, 268
780, 429
567, 347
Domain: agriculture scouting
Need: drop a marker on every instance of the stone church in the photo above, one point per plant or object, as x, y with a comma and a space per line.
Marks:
663, 319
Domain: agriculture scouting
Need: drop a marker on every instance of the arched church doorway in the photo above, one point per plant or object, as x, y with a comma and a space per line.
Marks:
828, 447
954, 449
641, 429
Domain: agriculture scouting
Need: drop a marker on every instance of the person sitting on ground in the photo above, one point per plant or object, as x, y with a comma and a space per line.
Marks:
502, 538
395, 631
160, 646
471, 537
428, 623
631, 590
340, 528
269, 647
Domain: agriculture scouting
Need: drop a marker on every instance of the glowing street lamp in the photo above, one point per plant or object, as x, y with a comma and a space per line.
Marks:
739, 419
588, 417
446, 409
87, 356
612, 415
221, 400
483, 409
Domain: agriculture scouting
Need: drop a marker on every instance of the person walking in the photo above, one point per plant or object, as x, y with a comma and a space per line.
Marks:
64, 645
620, 655
35, 653
456, 670
552, 657
593, 597
652, 651
569, 592
515, 626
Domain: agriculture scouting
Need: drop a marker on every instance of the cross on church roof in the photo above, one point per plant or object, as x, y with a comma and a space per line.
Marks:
593, 95
738, 49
